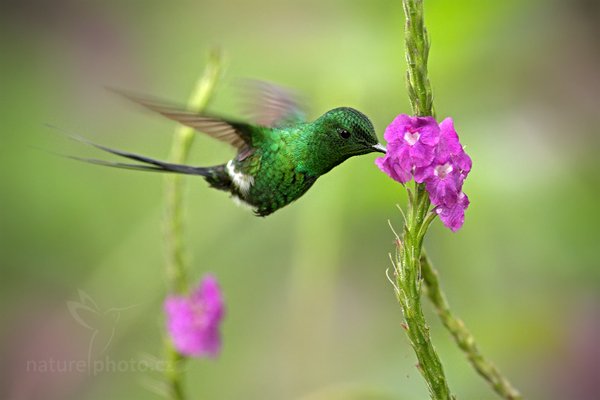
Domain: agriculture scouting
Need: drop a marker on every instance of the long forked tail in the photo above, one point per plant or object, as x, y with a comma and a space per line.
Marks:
147, 163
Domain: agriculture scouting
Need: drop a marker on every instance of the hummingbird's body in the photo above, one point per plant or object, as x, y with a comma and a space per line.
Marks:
278, 160
269, 175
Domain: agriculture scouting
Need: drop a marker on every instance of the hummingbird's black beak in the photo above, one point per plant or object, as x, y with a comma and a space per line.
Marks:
380, 148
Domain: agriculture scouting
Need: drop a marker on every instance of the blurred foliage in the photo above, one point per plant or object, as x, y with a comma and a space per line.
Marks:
310, 312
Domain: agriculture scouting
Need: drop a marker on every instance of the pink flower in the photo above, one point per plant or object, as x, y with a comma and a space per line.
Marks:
444, 177
453, 216
418, 148
411, 144
442, 181
450, 149
193, 321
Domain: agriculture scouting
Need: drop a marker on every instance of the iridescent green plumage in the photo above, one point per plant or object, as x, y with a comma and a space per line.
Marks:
278, 159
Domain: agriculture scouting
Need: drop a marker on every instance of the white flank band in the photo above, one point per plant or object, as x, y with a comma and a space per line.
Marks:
240, 181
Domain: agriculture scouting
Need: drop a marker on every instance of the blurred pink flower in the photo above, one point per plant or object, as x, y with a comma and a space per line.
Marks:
193, 321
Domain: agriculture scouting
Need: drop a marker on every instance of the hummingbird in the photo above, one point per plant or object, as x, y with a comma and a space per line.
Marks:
279, 156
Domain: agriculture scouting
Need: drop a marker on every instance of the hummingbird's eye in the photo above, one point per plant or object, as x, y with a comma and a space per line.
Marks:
344, 133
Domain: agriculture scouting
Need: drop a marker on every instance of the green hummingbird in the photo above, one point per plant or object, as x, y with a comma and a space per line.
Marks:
279, 156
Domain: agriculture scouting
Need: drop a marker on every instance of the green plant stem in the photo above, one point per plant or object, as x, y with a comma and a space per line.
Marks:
176, 264
421, 99
174, 373
408, 292
417, 55
408, 253
463, 338
182, 143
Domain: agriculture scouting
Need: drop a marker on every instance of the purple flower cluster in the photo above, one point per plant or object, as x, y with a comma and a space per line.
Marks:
419, 148
193, 321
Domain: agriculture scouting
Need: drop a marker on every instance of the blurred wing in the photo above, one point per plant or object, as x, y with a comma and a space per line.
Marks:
237, 134
270, 105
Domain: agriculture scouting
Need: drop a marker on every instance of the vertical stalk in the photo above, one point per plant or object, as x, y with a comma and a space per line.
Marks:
408, 255
417, 54
408, 292
421, 99
176, 263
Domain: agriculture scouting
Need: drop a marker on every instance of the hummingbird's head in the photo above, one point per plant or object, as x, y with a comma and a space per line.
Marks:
340, 134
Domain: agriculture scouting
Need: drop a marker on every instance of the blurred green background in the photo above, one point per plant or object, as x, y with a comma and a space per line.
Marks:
310, 314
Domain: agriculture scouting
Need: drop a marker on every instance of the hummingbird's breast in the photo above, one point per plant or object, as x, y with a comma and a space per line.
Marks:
272, 176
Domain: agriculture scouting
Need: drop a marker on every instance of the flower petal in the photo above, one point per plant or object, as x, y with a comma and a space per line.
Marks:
421, 155
453, 216
395, 163
395, 131
430, 131
423, 173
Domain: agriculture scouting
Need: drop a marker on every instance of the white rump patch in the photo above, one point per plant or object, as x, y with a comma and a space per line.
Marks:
240, 181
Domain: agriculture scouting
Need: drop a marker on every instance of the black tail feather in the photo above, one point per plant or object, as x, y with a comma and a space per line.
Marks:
135, 167
154, 165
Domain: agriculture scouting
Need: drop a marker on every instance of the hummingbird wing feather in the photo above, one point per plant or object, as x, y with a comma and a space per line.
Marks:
271, 105
237, 134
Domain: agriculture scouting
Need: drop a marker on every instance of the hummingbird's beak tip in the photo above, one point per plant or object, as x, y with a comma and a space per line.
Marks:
380, 148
